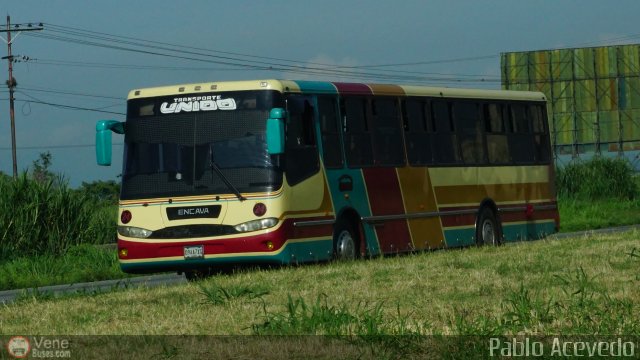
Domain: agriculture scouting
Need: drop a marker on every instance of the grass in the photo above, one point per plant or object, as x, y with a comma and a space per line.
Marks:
81, 263
597, 193
581, 214
586, 285
47, 217
597, 178
378, 308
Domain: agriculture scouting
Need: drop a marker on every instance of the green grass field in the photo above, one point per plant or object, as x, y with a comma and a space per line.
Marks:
579, 215
81, 263
583, 285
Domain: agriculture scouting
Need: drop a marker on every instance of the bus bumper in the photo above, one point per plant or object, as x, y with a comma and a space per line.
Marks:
278, 247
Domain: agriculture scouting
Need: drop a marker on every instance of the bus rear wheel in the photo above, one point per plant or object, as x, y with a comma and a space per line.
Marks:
488, 230
345, 242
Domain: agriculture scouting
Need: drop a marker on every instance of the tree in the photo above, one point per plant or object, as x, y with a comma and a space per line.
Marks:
104, 190
40, 172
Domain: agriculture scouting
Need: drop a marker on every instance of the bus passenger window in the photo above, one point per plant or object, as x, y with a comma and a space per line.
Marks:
540, 135
331, 148
497, 145
519, 121
520, 137
387, 136
418, 126
470, 132
446, 144
357, 137
300, 145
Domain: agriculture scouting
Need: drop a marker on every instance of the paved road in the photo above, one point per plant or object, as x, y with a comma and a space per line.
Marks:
168, 279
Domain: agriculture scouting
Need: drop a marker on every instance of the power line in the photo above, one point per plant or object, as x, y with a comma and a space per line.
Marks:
431, 62
71, 107
102, 35
118, 38
484, 77
69, 146
64, 106
66, 92
177, 51
98, 65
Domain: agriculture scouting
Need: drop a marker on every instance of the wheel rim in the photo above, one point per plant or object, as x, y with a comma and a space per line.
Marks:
345, 246
488, 232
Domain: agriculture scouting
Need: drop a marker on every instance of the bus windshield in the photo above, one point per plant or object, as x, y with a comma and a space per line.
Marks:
174, 146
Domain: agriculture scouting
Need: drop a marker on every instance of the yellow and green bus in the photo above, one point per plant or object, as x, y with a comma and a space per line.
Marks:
282, 171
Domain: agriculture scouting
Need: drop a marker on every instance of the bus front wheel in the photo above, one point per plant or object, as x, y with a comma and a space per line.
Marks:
345, 242
488, 230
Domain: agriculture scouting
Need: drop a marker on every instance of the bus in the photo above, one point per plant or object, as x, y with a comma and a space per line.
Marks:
285, 172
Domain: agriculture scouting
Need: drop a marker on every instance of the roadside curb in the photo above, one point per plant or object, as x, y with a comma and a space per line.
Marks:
594, 232
9, 296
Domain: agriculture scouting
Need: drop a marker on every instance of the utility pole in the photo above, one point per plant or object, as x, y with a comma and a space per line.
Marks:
11, 83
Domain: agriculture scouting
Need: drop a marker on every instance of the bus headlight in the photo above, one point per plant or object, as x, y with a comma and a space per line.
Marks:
134, 232
255, 225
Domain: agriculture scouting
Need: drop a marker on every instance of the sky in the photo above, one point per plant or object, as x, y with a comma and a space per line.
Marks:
81, 66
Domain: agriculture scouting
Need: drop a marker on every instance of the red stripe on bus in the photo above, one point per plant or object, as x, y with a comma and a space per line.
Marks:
248, 244
385, 198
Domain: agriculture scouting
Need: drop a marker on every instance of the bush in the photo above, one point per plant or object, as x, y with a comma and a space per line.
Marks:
47, 217
598, 178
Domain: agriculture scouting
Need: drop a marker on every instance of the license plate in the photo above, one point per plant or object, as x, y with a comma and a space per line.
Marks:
194, 252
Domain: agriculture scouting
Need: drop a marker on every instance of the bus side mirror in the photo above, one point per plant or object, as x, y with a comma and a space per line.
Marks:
103, 139
275, 131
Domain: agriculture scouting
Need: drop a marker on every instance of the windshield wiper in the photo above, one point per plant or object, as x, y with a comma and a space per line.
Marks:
230, 186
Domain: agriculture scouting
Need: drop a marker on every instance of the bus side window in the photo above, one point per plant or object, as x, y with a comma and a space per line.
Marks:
357, 137
540, 134
387, 135
418, 127
470, 132
331, 148
497, 144
300, 145
520, 137
446, 144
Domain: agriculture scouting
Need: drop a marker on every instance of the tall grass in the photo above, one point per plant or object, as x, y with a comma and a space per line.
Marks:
82, 263
598, 178
47, 217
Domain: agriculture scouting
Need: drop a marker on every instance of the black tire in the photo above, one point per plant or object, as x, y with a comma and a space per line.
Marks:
488, 228
345, 242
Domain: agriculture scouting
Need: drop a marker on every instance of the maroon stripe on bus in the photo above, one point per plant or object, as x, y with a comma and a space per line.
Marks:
352, 88
385, 198
248, 244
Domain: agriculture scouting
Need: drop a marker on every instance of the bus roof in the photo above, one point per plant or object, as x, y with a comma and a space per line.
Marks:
324, 87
